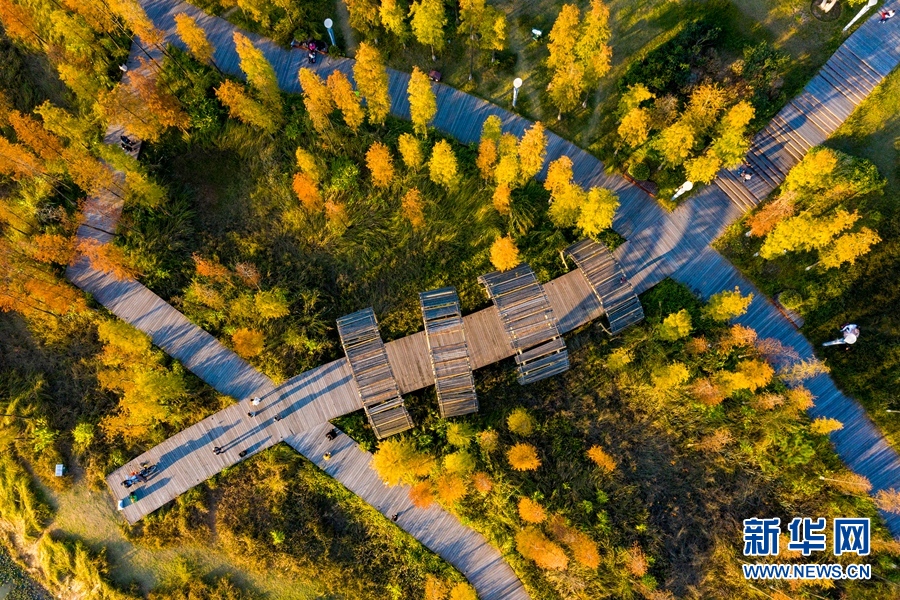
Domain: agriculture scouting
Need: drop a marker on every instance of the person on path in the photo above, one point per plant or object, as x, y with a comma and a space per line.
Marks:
331, 435
887, 14
327, 456
256, 401
242, 453
217, 450
251, 414
395, 516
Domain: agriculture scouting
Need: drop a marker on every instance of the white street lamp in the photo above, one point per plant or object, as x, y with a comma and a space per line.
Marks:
517, 83
685, 187
859, 15
328, 25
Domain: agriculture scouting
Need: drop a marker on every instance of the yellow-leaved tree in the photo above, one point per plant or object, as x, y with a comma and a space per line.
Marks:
372, 82
597, 212
194, 37
380, 163
422, 103
442, 166
535, 546
260, 74
532, 150
317, 99
244, 108
428, 20
727, 305
397, 460
410, 151
346, 100
504, 254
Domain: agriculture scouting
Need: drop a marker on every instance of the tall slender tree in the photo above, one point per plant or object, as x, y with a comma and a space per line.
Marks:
317, 99
422, 102
592, 47
393, 17
194, 37
428, 20
260, 74
346, 100
372, 82
241, 106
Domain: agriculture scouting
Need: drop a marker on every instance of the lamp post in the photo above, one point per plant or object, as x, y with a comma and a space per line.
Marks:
517, 83
685, 187
328, 25
859, 15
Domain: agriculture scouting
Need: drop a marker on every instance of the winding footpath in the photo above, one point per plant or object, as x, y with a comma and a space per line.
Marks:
658, 245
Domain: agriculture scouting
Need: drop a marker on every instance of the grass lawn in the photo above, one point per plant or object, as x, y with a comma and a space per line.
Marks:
867, 293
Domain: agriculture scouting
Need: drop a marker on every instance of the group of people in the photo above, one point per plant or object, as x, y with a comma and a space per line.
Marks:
128, 144
312, 47
136, 477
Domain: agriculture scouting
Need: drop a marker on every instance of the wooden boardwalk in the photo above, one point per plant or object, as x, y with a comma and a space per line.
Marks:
659, 245
437, 529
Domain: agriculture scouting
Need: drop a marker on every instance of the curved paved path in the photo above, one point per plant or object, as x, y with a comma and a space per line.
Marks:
659, 245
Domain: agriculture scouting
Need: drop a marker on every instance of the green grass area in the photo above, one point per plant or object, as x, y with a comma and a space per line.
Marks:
687, 471
866, 293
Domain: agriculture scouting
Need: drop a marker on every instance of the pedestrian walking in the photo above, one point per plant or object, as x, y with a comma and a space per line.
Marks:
251, 414
327, 456
217, 450
331, 435
242, 453
395, 516
256, 401
277, 417
887, 14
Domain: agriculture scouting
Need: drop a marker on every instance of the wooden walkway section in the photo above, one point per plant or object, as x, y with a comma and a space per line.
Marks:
859, 444
529, 322
434, 527
446, 336
605, 276
372, 373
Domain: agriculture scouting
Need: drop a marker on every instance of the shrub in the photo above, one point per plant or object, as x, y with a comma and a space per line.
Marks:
461, 463
601, 458
531, 511
422, 494
520, 422
534, 545
488, 441
482, 482
462, 591
825, 426
248, 342
790, 299
523, 457
459, 434
639, 171
398, 460
675, 326
504, 254
450, 488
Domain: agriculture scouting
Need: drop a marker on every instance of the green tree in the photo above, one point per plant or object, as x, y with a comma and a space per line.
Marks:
372, 82
393, 17
422, 103
727, 305
428, 20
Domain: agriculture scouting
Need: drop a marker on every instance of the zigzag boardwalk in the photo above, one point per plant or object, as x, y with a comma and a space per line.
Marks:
859, 444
